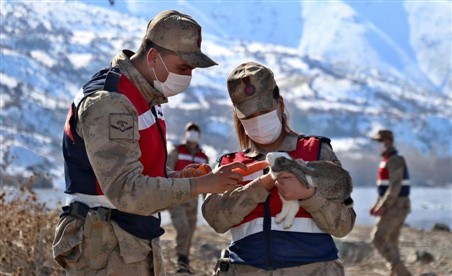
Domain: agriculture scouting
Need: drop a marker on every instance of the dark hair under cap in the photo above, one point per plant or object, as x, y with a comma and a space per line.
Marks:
192, 126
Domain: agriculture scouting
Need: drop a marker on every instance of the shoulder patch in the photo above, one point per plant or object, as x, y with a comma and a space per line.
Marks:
121, 126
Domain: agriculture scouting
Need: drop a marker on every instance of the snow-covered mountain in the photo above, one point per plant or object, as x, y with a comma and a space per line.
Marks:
48, 50
411, 39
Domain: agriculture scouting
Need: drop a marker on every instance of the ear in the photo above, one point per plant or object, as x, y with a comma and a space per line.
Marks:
151, 57
308, 170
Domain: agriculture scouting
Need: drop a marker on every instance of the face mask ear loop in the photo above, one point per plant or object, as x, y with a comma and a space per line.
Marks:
155, 75
164, 63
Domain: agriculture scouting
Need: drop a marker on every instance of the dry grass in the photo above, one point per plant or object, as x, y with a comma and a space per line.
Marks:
26, 235
27, 229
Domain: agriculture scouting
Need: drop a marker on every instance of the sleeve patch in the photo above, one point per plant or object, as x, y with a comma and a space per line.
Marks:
121, 126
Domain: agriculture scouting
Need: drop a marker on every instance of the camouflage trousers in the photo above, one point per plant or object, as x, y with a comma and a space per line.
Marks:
115, 266
184, 218
331, 268
386, 234
82, 254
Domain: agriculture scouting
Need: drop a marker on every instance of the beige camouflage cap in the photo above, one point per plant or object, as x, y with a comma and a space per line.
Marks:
181, 34
383, 134
250, 87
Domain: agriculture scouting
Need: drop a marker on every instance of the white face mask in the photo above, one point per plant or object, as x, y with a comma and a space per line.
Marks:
192, 136
263, 129
173, 85
381, 147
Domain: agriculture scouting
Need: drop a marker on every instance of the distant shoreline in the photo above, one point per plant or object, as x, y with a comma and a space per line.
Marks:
429, 205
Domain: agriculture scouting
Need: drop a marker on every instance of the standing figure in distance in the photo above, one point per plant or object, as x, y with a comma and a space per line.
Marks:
393, 204
184, 215
260, 246
114, 148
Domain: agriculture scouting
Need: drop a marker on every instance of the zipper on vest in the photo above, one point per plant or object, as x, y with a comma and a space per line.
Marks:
163, 139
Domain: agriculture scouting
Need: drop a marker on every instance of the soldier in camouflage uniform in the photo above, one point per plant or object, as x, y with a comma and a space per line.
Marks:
393, 204
260, 246
184, 216
114, 148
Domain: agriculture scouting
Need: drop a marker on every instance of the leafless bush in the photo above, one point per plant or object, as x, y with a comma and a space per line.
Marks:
26, 235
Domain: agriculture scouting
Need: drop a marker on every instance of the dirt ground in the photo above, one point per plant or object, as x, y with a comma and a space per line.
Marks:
356, 252
27, 228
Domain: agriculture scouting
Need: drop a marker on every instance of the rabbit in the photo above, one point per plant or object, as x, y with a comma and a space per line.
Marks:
330, 180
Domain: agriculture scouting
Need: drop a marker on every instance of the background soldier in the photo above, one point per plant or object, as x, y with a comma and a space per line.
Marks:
184, 215
393, 204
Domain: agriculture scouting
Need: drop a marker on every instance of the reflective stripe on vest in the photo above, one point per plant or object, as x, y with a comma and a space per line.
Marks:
81, 183
184, 157
261, 242
80, 176
308, 150
383, 178
302, 225
188, 157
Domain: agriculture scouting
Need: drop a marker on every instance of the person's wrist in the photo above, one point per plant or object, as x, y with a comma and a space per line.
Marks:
194, 186
266, 182
308, 195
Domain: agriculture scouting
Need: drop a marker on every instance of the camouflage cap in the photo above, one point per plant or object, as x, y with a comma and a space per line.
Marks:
181, 34
250, 87
383, 134
192, 125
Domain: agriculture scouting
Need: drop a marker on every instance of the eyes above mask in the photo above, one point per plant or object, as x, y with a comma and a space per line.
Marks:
174, 84
263, 129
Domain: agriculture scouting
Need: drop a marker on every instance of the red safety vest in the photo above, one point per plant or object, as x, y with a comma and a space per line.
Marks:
184, 157
79, 174
383, 177
308, 149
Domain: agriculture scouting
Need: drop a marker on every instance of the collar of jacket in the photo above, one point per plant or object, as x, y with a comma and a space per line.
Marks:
288, 144
389, 152
152, 96
195, 149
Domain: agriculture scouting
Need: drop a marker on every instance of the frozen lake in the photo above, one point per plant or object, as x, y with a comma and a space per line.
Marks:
429, 205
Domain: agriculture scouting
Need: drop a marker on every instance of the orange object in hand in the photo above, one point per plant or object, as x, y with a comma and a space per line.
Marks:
252, 168
194, 172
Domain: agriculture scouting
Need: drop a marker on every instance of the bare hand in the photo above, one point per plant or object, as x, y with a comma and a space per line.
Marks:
220, 180
376, 212
291, 188
267, 181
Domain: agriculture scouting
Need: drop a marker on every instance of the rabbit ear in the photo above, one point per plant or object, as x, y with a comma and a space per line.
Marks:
307, 170
302, 177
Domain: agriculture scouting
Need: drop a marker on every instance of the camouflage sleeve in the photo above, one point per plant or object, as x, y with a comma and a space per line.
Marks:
395, 166
337, 218
222, 211
114, 156
172, 158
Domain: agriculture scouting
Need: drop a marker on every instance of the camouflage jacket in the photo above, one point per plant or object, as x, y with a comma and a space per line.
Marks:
117, 166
